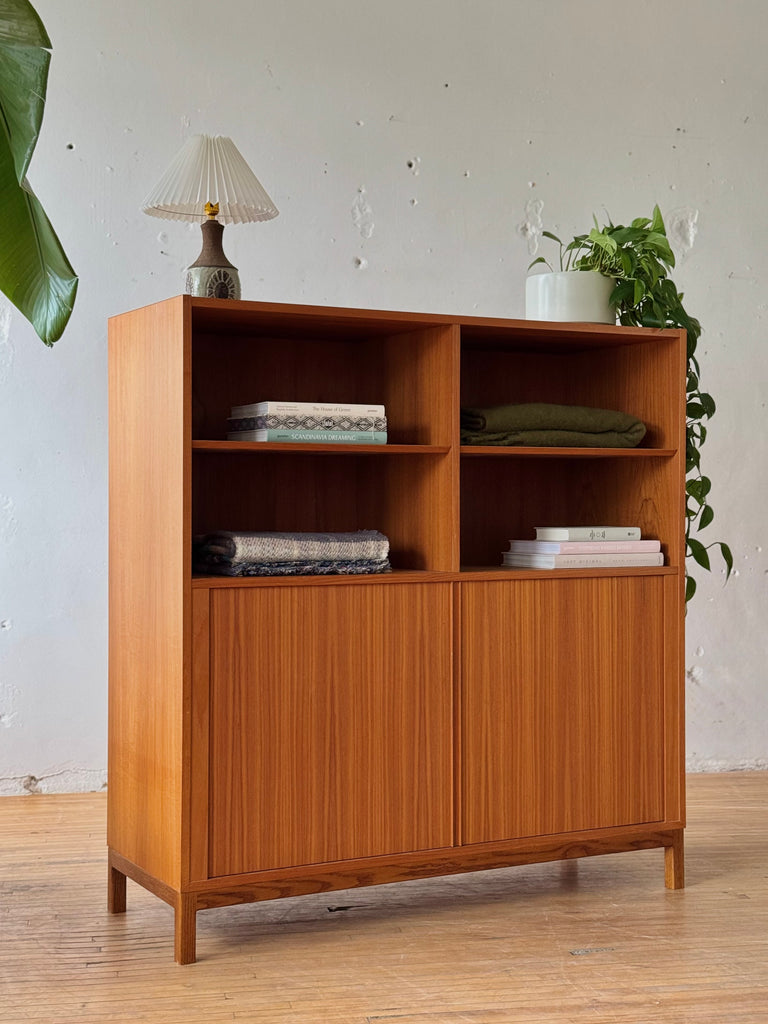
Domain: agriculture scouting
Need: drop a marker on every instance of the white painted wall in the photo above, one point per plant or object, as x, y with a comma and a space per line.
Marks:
443, 121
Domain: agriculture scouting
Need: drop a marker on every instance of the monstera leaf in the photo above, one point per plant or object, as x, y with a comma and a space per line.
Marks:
35, 273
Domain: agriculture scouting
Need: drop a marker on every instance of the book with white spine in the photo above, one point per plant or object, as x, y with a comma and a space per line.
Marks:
304, 408
308, 421
588, 533
310, 436
614, 560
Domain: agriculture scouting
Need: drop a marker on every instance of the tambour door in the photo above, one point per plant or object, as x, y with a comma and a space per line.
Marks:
330, 723
563, 690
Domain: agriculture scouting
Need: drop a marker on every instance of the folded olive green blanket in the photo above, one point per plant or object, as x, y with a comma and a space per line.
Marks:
543, 425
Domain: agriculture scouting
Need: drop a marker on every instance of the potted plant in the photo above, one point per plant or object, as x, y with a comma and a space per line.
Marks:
636, 260
35, 273
562, 295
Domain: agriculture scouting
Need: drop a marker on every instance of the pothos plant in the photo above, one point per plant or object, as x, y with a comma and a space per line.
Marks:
35, 273
639, 257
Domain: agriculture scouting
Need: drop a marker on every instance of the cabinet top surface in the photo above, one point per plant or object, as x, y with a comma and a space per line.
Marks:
240, 315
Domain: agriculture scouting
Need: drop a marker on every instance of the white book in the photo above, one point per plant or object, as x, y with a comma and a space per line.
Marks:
310, 436
582, 547
588, 533
585, 561
306, 408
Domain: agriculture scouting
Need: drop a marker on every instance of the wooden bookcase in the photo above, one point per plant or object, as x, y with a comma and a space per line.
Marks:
271, 737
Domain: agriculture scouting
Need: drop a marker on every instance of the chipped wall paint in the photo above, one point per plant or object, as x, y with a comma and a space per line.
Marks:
682, 227
479, 133
362, 214
9, 695
532, 225
56, 780
6, 346
8, 522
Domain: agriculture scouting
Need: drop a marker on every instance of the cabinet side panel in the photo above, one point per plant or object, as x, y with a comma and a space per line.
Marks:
148, 596
674, 706
331, 722
563, 706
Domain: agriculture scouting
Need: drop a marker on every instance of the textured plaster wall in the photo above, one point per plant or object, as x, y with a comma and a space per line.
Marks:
415, 150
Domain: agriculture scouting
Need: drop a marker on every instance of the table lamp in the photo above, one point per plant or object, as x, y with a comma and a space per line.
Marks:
210, 182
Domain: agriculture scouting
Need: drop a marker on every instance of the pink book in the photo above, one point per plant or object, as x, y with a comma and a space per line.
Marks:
583, 547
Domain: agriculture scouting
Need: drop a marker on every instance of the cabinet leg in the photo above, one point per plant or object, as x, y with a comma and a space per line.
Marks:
185, 927
116, 891
674, 866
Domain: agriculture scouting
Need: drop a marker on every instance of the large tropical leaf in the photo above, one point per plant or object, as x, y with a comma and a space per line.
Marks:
35, 273
24, 61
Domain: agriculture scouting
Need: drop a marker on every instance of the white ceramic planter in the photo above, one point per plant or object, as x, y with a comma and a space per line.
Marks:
578, 296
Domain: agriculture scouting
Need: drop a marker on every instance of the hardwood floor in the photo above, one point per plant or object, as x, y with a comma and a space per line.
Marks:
599, 940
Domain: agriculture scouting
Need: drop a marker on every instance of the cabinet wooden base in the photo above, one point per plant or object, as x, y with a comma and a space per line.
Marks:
268, 885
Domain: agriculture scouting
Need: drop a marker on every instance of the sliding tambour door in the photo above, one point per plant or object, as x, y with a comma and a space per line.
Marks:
562, 705
330, 723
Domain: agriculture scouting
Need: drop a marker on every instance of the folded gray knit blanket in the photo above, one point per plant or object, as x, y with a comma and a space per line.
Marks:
338, 567
226, 550
542, 424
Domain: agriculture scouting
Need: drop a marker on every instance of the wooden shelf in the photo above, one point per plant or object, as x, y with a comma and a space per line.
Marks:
200, 582
287, 448
519, 451
466, 573
505, 572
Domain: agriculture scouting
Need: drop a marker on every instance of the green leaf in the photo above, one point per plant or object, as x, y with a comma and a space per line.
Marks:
695, 490
725, 551
707, 515
539, 259
708, 403
690, 588
35, 273
24, 62
699, 553
548, 234
603, 241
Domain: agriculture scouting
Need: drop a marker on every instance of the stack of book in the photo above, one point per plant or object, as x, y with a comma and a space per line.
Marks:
308, 423
583, 547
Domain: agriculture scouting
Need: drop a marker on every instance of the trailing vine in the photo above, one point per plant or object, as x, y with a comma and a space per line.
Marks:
639, 257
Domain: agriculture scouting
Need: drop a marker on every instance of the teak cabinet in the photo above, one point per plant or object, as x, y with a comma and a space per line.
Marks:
271, 737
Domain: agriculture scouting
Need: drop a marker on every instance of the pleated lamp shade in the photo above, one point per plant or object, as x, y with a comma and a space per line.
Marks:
209, 169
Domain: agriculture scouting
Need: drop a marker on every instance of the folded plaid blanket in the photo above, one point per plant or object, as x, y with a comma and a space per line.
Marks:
339, 567
542, 424
227, 550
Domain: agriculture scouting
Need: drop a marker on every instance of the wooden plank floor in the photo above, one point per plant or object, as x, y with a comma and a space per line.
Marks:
600, 940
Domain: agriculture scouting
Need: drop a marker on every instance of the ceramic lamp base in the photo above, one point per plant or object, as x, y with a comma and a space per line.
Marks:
213, 282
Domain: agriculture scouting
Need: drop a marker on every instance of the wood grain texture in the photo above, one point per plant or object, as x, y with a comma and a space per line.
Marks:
185, 928
644, 380
562, 706
149, 557
596, 939
411, 499
195, 831
276, 737
384, 871
330, 724
567, 492
674, 866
